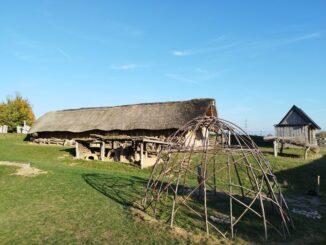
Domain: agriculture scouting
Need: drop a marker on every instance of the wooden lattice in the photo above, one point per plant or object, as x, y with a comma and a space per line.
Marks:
217, 182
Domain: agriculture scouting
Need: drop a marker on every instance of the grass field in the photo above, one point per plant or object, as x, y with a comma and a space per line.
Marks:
89, 202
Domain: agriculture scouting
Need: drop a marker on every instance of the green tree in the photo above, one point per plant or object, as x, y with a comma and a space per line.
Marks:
14, 111
322, 134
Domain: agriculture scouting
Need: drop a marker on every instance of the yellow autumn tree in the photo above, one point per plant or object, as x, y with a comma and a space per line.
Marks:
14, 111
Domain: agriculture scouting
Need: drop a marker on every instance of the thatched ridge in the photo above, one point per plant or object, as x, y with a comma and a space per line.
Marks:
149, 116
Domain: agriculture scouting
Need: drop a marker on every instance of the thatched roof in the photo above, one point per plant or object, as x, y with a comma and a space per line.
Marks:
297, 117
149, 116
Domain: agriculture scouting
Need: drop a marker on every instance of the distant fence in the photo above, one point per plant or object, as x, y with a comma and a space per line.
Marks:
23, 129
3, 129
260, 132
259, 141
322, 142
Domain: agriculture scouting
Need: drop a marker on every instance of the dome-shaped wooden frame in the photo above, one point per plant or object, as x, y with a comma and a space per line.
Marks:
210, 159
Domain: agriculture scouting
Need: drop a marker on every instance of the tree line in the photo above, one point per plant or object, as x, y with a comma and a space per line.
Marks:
14, 111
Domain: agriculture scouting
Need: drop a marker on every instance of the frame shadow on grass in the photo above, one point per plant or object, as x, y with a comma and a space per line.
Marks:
122, 189
300, 181
126, 190
289, 155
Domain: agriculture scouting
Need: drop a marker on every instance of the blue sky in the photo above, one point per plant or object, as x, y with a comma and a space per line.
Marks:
256, 58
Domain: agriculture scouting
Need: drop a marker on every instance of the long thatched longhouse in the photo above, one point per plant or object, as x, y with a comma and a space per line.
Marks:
129, 133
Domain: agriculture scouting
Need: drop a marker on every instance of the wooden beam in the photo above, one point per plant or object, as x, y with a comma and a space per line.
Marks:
306, 149
156, 141
282, 148
145, 150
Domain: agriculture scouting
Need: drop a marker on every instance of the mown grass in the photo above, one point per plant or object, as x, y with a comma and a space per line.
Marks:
89, 201
60, 206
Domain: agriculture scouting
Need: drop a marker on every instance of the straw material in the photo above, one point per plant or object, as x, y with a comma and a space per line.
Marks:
149, 116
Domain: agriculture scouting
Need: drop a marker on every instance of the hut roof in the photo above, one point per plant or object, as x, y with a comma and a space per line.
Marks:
296, 117
147, 116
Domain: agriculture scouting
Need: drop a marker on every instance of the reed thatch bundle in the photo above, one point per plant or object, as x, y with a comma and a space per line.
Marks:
149, 116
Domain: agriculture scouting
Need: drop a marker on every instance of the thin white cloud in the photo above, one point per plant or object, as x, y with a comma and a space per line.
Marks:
208, 43
197, 76
126, 67
207, 50
274, 43
24, 56
304, 37
180, 78
253, 46
180, 53
219, 38
64, 54
205, 75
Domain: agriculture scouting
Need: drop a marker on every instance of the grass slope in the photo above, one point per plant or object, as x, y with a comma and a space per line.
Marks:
88, 202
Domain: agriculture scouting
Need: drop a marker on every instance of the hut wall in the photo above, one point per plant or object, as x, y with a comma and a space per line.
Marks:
298, 132
198, 138
303, 133
312, 136
83, 151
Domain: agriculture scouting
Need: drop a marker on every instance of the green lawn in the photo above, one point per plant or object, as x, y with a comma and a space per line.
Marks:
89, 202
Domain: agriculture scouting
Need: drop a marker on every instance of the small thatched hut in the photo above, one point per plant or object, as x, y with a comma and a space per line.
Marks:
297, 125
128, 133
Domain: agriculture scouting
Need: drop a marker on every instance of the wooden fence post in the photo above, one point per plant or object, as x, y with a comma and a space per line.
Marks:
275, 144
318, 185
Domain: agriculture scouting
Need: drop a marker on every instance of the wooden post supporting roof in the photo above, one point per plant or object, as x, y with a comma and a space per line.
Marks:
77, 150
141, 154
145, 151
102, 151
306, 149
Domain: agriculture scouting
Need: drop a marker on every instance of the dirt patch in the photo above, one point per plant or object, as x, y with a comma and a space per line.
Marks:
63, 156
140, 216
24, 169
305, 205
303, 201
73, 164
